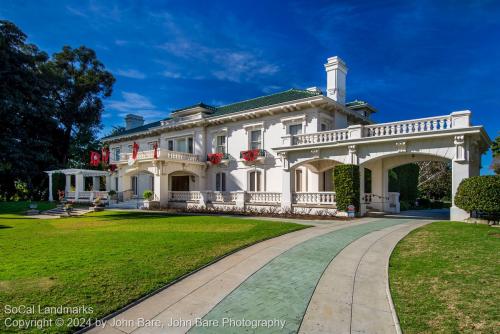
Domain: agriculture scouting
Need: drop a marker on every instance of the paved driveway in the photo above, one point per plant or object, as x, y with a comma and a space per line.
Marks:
331, 278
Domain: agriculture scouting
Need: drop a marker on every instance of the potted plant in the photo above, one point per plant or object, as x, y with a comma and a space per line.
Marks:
148, 199
112, 197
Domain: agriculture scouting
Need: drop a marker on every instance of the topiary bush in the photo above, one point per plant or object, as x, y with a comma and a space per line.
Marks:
346, 179
479, 194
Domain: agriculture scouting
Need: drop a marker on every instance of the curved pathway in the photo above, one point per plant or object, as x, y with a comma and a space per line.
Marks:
331, 278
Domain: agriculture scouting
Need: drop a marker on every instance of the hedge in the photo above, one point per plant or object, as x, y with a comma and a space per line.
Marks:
346, 179
404, 179
479, 194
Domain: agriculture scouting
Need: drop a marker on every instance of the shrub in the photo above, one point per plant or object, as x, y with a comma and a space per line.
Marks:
404, 179
479, 194
404, 206
147, 194
346, 179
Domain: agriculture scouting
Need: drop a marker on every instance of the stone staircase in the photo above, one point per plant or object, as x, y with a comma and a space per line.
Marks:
60, 212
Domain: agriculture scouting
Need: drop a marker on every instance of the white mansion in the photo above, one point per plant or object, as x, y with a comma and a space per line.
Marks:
296, 137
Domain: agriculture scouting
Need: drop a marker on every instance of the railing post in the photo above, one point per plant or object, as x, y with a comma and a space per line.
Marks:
355, 131
287, 140
460, 119
240, 200
203, 199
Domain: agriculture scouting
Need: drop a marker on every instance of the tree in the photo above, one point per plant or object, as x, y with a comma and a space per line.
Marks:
25, 146
404, 179
79, 83
495, 149
434, 180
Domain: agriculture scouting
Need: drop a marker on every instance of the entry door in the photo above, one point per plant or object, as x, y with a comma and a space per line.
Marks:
180, 183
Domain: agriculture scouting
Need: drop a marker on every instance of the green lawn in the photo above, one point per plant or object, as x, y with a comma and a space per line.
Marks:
445, 278
106, 260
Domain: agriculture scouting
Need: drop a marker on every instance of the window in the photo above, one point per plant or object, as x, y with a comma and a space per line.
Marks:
298, 180
170, 145
116, 153
181, 145
220, 182
255, 139
116, 183
324, 127
255, 181
221, 144
134, 185
295, 129
130, 148
190, 145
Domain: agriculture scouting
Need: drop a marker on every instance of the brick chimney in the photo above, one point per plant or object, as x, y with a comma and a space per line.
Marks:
133, 121
336, 71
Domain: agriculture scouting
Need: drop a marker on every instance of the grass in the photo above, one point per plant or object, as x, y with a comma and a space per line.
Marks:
445, 278
108, 259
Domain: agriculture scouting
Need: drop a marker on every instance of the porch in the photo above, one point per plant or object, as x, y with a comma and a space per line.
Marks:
81, 185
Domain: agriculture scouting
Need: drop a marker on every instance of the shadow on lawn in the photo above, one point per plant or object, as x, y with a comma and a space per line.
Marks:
4, 226
117, 215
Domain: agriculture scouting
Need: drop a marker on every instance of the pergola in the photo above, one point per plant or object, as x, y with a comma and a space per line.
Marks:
79, 174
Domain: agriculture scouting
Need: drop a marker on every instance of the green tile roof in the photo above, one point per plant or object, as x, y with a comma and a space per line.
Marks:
264, 101
259, 102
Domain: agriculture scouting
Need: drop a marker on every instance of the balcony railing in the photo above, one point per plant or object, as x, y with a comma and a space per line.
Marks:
263, 197
184, 196
163, 154
314, 198
402, 128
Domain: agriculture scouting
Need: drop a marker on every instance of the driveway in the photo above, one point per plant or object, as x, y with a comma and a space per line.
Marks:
331, 278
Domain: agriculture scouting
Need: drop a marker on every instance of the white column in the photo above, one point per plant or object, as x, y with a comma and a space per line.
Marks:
51, 197
108, 182
240, 200
67, 187
286, 190
79, 185
96, 183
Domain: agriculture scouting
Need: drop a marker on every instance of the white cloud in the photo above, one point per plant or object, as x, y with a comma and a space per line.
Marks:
228, 64
76, 11
131, 102
131, 73
136, 104
121, 42
172, 75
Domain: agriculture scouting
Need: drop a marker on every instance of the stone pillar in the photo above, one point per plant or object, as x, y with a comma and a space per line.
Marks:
362, 205
161, 186
203, 198
51, 196
286, 190
460, 169
240, 200
380, 184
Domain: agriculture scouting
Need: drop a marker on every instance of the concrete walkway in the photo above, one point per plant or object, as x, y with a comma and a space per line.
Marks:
331, 278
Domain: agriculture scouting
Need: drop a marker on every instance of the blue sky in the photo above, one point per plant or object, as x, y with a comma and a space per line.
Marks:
409, 59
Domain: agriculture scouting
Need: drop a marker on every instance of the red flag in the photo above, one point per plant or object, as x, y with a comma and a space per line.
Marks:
95, 158
135, 150
105, 154
155, 148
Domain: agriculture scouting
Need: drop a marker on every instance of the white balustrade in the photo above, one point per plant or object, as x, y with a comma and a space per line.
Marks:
326, 197
70, 194
84, 194
321, 137
162, 154
430, 124
184, 196
262, 197
367, 198
220, 196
